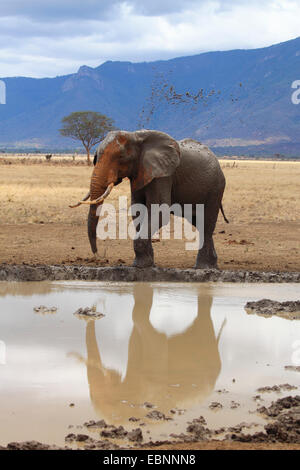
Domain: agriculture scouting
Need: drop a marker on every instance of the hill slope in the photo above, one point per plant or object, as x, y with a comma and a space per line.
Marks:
245, 104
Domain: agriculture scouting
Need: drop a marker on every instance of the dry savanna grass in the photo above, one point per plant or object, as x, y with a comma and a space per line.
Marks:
261, 201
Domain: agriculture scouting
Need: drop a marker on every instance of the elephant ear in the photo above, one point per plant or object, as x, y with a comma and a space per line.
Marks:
160, 156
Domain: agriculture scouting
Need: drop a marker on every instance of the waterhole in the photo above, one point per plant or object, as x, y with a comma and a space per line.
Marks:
183, 350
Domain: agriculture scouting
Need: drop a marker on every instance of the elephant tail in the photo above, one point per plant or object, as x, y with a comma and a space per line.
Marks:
222, 210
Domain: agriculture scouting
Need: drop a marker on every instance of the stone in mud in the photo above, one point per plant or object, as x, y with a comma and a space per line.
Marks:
183, 437
279, 405
114, 432
89, 312
277, 388
240, 437
43, 310
292, 368
215, 406
200, 432
82, 437
148, 405
257, 398
239, 427
216, 432
70, 437
155, 414
267, 308
286, 427
96, 424
30, 445
178, 411
234, 405
200, 420
135, 435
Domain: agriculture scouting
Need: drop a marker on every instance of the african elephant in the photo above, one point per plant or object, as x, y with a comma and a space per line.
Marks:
160, 170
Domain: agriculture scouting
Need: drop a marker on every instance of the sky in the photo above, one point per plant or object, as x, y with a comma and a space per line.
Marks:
46, 38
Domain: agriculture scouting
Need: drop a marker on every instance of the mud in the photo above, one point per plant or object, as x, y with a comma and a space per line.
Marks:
88, 443
26, 272
215, 406
42, 310
286, 427
283, 426
158, 415
293, 368
276, 388
88, 312
31, 445
267, 308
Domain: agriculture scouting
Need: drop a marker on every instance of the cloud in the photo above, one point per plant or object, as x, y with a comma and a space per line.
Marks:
55, 37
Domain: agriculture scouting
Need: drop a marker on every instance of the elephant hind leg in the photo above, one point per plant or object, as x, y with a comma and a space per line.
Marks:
207, 256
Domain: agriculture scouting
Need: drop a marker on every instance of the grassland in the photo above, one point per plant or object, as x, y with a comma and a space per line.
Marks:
261, 201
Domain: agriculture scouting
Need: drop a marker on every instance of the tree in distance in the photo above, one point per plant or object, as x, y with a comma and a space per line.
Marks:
89, 127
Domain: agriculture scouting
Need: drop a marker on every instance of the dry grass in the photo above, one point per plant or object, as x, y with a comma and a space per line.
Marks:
260, 191
255, 192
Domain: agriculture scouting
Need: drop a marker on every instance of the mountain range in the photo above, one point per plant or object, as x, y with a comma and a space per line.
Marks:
238, 102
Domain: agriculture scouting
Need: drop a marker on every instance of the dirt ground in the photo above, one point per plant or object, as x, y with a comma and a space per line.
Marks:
261, 201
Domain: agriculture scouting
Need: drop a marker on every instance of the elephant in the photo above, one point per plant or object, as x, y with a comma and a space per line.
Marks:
156, 362
161, 170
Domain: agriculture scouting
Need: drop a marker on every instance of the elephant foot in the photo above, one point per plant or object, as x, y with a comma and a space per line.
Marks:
206, 265
143, 263
207, 257
205, 262
144, 257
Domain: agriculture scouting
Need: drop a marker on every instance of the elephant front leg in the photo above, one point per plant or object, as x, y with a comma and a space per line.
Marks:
142, 243
156, 193
144, 257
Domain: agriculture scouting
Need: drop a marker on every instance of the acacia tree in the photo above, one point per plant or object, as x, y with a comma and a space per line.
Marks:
89, 127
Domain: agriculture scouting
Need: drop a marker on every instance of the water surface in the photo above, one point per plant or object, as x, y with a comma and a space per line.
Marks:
176, 346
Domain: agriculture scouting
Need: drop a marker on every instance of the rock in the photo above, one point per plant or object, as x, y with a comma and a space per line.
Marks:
277, 388
88, 312
43, 310
215, 406
155, 414
293, 368
114, 432
135, 435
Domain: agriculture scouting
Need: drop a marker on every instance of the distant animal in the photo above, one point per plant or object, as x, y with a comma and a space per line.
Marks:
160, 170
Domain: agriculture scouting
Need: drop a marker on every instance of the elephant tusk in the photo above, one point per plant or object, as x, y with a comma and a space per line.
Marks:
101, 198
80, 202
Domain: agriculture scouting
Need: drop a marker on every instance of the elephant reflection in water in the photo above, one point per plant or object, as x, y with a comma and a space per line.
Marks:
168, 372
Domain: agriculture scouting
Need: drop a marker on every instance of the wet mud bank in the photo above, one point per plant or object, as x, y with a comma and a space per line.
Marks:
26, 272
283, 426
267, 307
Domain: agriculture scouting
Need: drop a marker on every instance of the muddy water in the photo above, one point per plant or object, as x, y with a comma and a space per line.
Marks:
178, 347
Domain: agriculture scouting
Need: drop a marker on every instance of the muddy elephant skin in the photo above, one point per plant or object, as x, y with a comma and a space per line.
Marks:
161, 170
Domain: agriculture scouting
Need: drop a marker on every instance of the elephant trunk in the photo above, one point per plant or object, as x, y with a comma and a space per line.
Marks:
98, 187
92, 226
